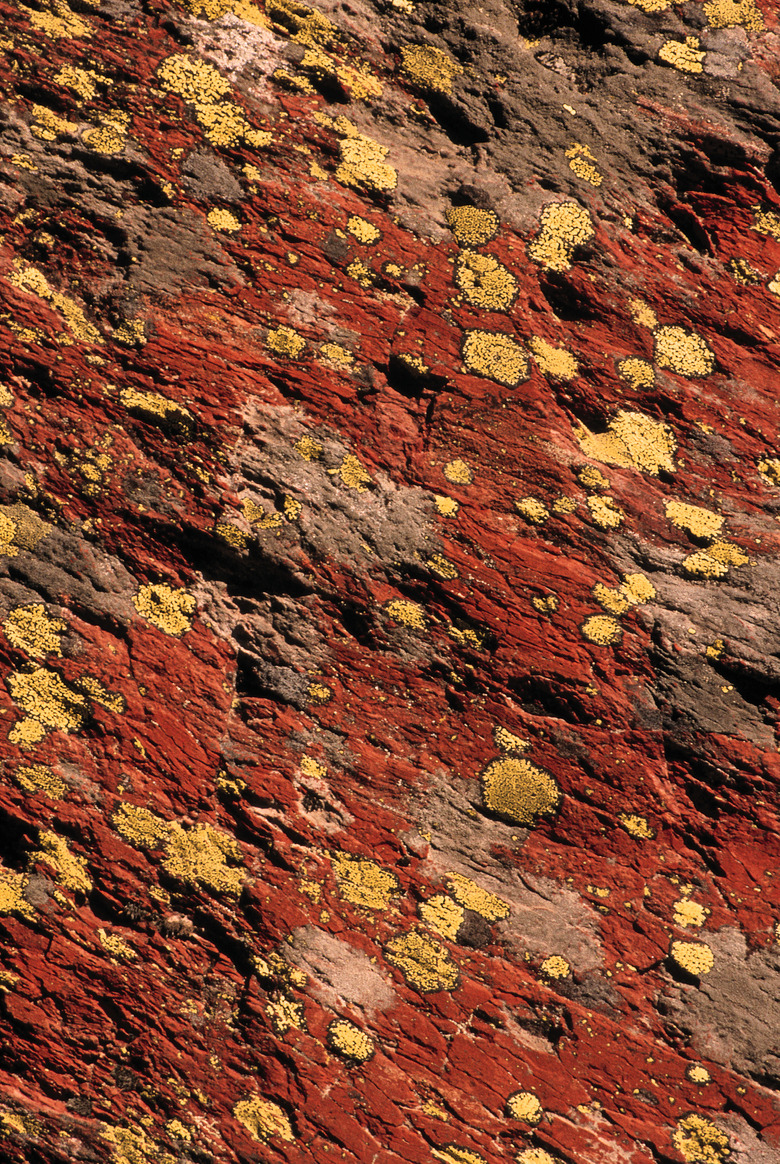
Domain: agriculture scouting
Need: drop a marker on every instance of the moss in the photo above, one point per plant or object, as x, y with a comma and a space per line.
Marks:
733, 14
525, 1106
223, 220
533, 511
471, 896
495, 356
700, 1141
33, 630
364, 883
557, 363
633, 441
425, 964
165, 607
458, 472
409, 614
484, 282
637, 372
349, 1041
683, 352
519, 791
601, 629
472, 227
606, 513
429, 68
695, 958
636, 826
684, 55
582, 163
698, 522
285, 341
564, 227
442, 914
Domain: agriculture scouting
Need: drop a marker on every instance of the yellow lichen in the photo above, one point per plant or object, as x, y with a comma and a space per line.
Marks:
518, 790
698, 1074
564, 227
684, 55
308, 448
458, 472
429, 68
286, 1015
110, 137
40, 778
637, 372
177, 1130
442, 914
203, 854
192, 79
696, 958
165, 607
442, 567
425, 964
700, 1141
33, 630
82, 82
152, 407
507, 741
495, 356
525, 1106
71, 869
116, 946
237, 538
466, 637
336, 354
633, 441
642, 313
12, 899
636, 826
131, 333
34, 282
472, 227
365, 232
484, 282
633, 591
683, 352
689, 913
555, 967
592, 478
348, 1040
766, 222
698, 522
601, 629
581, 163
353, 474
557, 363
733, 13
538, 1155
452, 1154
263, 1119
744, 273
140, 827
319, 694
471, 896
48, 126
714, 562
285, 341
223, 220
546, 604
58, 21
563, 505
606, 513
534, 511
364, 883
446, 506
45, 698
363, 165
409, 614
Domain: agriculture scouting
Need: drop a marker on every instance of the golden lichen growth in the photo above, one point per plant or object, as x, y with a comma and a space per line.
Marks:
507, 741
308, 448
33, 630
697, 1074
633, 591
683, 352
471, 896
347, 1039
139, 826
82, 82
165, 607
319, 694
192, 79
286, 1015
714, 562
472, 227
47, 700
633, 441
698, 522
206, 855
769, 470
700, 1141
33, 778
365, 232
363, 164
538, 1155
642, 313
637, 372
48, 126
223, 220
563, 505
592, 478
71, 870
34, 282
132, 1146
564, 227
409, 614
425, 964
337, 354
555, 967
156, 409
458, 472
445, 506
452, 1154
484, 282
495, 356
442, 567
466, 637
601, 629
519, 791
12, 899
525, 1106
695, 958
684, 55
606, 513
689, 913
766, 222
532, 510
429, 68
734, 13
364, 883
636, 826
116, 947
545, 603
285, 341
57, 20
263, 1119
744, 273
131, 333
442, 914
582, 163
557, 363
234, 537
353, 474
110, 136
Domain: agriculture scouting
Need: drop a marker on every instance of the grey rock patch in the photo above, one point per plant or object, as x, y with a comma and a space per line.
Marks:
340, 974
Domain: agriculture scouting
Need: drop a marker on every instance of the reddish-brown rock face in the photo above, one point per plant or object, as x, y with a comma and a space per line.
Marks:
390, 489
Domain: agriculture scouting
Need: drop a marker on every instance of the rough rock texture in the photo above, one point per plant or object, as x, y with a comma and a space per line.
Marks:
390, 487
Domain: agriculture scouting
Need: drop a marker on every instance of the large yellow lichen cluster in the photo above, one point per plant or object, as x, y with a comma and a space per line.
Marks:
110, 136
285, 341
636, 826
698, 522
525, 1106
532, 510
57, 20
363, 164
82, 82
167, 608
33, 630
407, 613
555, 966
714, 562
733, 14
40, 778
363, 231
700, 1141
429, 68
204, 88
684, 55
766, 222
348, 1040
12, 890
472, 896
495, 356
606, 513
425, 964
70, 869
557, 363
484, 282
458, 472
48, 704
564, 227
201, 854
353, 474
637, 372
364, 883
689, 913
472, 227
683, 352
156, 409
518, 790
442, 914
633, 591
695, 958
264, 1119
633, 441
33, 281
601, 629
223, 220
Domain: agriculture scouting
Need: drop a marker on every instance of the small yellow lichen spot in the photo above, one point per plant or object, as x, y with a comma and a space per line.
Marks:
689, 913
766, 222
286, 1015
177, 1130
362, 274
45, 698
564, 227
484, 282
592, 478
538, 1155
263, 1119
442, 567
698, 1074
601, 629
204, 854
554, 362
732, 13
130, 333
716, 649
581, 163
466, 637
292, 507
336, 354
555, 967
32, 630
425, 964
472, 227
232, 535
633, 441
192, 79
319, 694
525, 1106
365, 232
507, 741
518, 790
471, 896
714, 562
563, 505
698, 522
452, 1154
364, 883
116, 946
699, 1141
139, 826
353, 474
308, 448
442, 914
606, 513
683, 352
429, 68
71, 869
348, 1040
637, 372
39, 778
534, 512
545, 603
458, 472
150, 406
110, 136
12, 899
695, 958
223, 220
613, 600
24, 162
285, 341
636, 826
495, 356
363, 164
446, 506
409, 614
165, 607
683, 55
642, 313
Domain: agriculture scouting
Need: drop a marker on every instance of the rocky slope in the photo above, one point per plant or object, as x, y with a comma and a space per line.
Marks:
389, 581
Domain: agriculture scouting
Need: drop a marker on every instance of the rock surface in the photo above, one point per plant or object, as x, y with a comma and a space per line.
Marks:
390, 488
